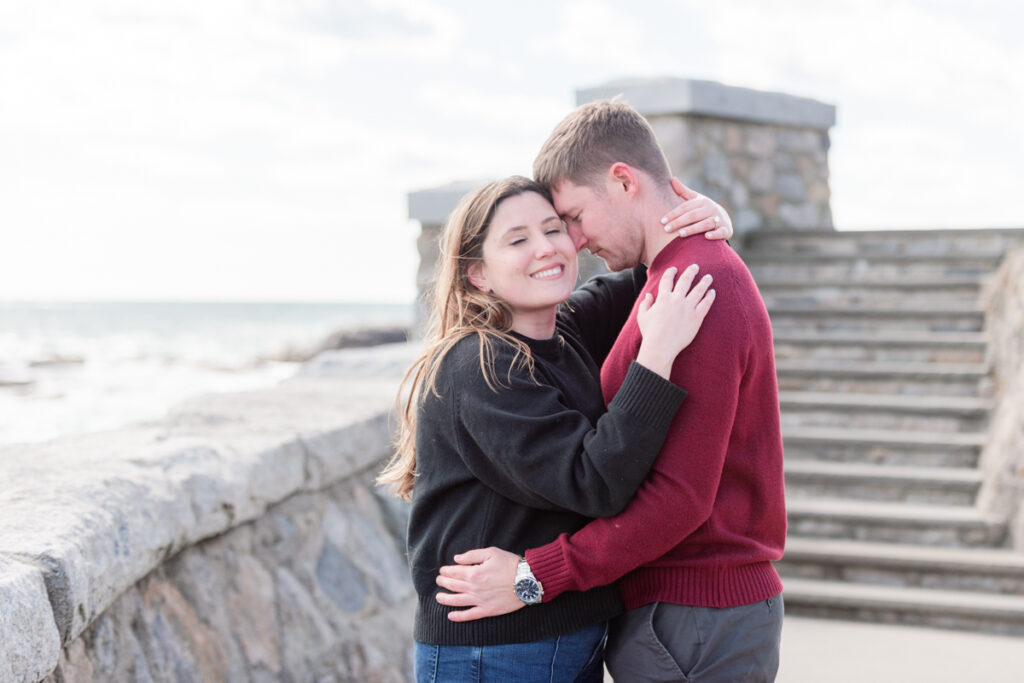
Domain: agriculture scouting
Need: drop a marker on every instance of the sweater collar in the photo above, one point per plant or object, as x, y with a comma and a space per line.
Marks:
667, 256
548, 348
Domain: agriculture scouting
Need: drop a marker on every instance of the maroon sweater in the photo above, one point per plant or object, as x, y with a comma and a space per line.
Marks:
710, 517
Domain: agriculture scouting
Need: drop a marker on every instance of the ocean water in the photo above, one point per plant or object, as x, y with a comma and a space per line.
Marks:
68, 368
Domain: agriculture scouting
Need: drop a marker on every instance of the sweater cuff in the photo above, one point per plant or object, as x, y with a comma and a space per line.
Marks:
648, 396
548, 565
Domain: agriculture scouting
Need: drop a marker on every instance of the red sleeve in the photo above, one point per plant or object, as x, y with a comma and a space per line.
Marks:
678, 495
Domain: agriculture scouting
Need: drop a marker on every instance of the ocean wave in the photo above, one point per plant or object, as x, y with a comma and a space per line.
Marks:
68, 368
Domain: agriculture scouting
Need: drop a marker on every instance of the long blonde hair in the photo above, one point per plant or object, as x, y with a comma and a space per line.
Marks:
457, 310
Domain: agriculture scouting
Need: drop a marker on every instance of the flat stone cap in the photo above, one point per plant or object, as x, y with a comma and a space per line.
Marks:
653, 96
432, 206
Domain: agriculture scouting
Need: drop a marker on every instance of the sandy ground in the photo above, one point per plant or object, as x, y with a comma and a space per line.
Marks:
828, 651
822, 651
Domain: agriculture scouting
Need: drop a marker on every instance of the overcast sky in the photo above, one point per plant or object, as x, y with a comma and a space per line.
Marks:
263, 150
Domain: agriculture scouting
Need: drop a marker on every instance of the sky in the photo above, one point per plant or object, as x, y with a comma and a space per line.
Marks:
263, 150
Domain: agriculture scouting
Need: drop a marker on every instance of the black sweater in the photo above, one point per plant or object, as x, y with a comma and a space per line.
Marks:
516, 467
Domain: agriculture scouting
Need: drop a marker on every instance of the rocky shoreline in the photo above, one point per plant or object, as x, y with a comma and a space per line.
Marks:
48, 392
345, 338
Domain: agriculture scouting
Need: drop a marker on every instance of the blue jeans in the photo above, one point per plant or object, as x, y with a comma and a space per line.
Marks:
574, 657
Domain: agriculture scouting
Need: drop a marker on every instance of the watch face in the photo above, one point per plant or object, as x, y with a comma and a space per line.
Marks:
528, 591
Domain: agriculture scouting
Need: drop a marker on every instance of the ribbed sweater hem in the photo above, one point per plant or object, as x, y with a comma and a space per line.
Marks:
700, 586
573, 612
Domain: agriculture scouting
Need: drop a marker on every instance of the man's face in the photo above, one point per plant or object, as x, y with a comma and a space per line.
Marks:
599, 220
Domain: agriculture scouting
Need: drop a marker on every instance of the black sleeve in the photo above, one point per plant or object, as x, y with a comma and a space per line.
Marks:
599, 307
524, 442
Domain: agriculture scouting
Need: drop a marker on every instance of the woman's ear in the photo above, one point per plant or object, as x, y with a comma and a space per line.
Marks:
476, 276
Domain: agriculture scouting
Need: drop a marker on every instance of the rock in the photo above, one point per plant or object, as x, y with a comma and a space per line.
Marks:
14, 376
251, 599
806, 216
340, 579
184, 646
56, 360
347, 338
716, 169
761, 142
746, 220
390, 360
762, 177
790, 187
29, 640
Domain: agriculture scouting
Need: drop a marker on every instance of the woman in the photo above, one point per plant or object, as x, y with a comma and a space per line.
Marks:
504, 432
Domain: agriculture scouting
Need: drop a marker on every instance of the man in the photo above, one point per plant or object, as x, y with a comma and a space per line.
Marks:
693, 551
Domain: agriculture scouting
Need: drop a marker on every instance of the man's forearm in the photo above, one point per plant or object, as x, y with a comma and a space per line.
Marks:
664, 512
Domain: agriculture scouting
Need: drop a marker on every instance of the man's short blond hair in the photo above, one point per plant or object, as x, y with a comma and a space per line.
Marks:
592, 138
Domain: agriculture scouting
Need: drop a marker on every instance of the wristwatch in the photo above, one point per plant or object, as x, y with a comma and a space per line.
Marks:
527, 587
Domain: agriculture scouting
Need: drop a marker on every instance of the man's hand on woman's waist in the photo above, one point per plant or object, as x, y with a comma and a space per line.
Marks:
483, 581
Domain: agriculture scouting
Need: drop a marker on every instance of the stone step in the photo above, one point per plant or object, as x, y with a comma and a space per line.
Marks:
768, 265
961, 282
943, 347
884, 294
882, 377
880, 446
965, 610
918, 524
893, 564
886, 483
884, 411
913, 243
869, 319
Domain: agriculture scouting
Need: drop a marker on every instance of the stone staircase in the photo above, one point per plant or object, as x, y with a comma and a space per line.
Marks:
885, 396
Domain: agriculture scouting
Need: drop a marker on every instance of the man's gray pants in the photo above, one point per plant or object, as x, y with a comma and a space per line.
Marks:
665, 642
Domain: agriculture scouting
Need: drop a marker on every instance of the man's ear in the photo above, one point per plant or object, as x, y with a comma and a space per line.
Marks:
623, 178
475, 273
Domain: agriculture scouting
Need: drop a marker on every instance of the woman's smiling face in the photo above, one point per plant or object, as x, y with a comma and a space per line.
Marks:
529, 260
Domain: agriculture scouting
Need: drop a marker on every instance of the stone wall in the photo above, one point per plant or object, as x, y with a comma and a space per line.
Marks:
1002, 461
239, 539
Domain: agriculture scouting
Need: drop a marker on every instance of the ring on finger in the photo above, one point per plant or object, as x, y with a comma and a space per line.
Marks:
717, 220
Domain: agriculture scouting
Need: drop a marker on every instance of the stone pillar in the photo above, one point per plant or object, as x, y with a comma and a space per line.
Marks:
431, 208
762, 155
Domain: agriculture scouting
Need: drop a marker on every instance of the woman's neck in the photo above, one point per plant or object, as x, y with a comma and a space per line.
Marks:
535, 324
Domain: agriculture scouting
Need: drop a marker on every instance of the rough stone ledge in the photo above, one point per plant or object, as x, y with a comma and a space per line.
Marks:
85, 518
28, 634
